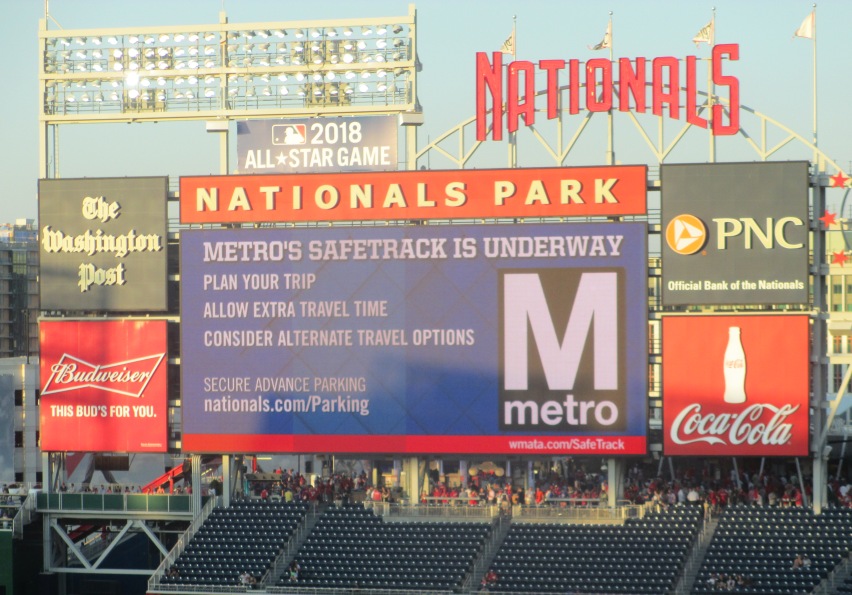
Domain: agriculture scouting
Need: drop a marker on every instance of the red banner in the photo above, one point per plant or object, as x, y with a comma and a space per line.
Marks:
450, 194
103, 386
735, 385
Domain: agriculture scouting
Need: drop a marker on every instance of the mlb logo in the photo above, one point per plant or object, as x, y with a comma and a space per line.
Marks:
289, 134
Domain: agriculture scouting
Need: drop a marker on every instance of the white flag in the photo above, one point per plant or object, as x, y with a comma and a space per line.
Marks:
808, 27
705, 35
606, 42
509, 45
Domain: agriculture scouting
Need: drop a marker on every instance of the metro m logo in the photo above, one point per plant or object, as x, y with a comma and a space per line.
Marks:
562, 349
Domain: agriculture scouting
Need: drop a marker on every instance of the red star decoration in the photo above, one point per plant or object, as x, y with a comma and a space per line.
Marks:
839, 180
828, 219
839, 258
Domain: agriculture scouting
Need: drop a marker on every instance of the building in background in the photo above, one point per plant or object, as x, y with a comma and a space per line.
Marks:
19, 293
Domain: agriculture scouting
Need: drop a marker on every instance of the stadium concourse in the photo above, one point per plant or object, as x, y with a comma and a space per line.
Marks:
699, 530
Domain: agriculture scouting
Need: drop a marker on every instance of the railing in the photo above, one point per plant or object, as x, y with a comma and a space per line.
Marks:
571, 512
115, 503
436, 510
24, 517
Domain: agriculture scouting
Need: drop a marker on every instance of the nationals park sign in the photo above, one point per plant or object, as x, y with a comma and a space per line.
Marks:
604, 85
420, 194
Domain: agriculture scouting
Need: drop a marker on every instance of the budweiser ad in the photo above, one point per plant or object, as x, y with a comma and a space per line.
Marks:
420, 194
103, 385
735, 385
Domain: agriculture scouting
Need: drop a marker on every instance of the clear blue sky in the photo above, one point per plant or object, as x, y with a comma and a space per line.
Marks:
774, 71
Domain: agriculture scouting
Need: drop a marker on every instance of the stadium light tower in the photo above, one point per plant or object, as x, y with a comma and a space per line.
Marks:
227, 71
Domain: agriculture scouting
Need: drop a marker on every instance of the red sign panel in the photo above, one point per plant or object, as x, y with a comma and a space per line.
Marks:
735, 385
103, 386
451, 194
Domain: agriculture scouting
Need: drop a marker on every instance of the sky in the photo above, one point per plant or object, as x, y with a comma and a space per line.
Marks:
775, 72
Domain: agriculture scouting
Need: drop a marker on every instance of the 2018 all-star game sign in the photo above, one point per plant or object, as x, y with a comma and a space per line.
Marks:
317, 145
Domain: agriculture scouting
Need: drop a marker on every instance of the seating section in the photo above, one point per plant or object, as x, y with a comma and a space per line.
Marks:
761, 543
350, 547
642, 556
246, 537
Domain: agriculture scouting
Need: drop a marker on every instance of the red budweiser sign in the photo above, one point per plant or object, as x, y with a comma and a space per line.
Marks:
103, 386
728, 390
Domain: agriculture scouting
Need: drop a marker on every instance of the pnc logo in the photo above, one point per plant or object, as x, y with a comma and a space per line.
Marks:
686, 234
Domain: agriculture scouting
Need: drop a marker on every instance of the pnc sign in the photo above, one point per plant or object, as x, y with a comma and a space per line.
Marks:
735, 233
603, 85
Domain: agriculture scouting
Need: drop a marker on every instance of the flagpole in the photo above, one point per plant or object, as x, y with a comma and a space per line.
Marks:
513, 145
610, 154
711, 89
816, 152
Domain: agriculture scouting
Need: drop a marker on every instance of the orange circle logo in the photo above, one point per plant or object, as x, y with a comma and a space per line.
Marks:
686, 234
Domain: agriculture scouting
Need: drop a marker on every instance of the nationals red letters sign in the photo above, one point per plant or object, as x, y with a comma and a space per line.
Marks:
735, 385
103, 385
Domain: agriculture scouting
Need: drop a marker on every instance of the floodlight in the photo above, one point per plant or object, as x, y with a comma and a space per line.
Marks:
300, 33
366, 30
133, 93
113, 96
112, 40
381, 43
363, 88
80, 40
209, 36
331, 32
149, 39
164, 37
99, 97
267, 91
96, 40
192, 63
192, 79
397, 29
283, 90
85, 98
282, 77
382, 86
210, 92
280, 33
315, 33
209, 63
210, 50
179, 37
161, 95
133, 38
190, 94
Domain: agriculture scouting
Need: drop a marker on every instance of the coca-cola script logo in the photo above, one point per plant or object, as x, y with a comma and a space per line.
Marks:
756, 424
129, 378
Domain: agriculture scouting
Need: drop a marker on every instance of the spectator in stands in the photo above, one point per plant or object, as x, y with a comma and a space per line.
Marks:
173, 572
489, 580
798, 562
293, 571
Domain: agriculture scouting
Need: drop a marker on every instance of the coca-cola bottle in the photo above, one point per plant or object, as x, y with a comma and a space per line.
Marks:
734, 367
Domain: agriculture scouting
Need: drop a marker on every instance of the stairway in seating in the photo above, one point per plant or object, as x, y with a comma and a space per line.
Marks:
282, 562
483, 562
693, 564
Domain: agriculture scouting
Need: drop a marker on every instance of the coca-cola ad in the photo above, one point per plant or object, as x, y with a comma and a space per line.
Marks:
735, 385
103, 385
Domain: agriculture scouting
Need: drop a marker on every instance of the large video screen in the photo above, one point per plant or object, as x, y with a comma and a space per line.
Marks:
420, 339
